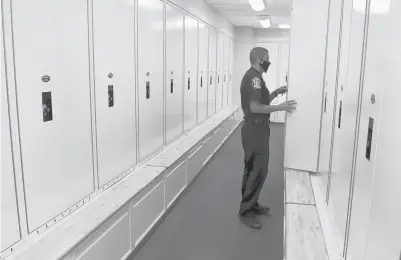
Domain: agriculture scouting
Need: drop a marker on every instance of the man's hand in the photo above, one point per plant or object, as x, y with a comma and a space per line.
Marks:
288, 105
282, 90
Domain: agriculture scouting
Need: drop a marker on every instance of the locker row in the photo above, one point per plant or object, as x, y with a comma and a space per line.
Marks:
359, 132
93, 97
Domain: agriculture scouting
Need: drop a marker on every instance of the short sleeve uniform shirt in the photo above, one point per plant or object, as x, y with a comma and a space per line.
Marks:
253, 88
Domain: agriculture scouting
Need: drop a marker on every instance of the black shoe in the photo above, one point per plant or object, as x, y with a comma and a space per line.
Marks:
261, 210
250, 220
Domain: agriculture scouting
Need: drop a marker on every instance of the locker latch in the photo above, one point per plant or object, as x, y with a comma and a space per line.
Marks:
201, 81
147, 89
47, 106
172, 86
111, 95
189, 83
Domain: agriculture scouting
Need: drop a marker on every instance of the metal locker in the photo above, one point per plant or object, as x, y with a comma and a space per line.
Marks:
345, 119
203, 72
150, 76
212, 80
376, 162
190, 73
54, 106
174, 72
329, 89
220, 72
10, 231
226, 60
114, 88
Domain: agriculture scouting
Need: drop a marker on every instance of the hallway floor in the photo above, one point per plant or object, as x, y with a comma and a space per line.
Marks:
203, 225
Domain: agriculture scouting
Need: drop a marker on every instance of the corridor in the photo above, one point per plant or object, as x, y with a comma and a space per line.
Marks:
203, 225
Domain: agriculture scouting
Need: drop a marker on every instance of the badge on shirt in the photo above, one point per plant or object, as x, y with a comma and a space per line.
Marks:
256, 83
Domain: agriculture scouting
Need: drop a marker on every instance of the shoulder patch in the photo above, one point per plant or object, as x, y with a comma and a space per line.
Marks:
256, 83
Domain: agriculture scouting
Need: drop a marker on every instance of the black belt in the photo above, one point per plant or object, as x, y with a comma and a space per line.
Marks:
257, 121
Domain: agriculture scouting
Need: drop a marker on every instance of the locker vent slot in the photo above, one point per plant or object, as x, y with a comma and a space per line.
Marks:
189, 83
325, 102
201, 82
339, 114
47, 106
211, 80
172, 86
147, 89
369, 139
111, 96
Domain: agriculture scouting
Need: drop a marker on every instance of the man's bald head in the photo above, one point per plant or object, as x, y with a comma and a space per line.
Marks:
258, 54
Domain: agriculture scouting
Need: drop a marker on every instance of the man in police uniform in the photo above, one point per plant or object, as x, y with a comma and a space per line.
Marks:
255, 133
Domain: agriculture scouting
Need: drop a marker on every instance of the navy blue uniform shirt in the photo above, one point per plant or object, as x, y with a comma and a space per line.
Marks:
253, 88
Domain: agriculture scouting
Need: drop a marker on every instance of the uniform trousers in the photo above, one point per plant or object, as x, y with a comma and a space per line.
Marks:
255, 142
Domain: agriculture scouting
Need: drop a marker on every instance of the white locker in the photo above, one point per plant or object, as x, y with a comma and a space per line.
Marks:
226, 60
230, 71
10, 232
203, 72
282, 78
345, 120
150, 76
54, 107
212, 81
191, 72
329, 89
114, 64
305, 80
220, 71
373, 169
384, 236
174, 72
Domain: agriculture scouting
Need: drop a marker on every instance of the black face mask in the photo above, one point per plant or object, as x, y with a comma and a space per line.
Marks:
265, 65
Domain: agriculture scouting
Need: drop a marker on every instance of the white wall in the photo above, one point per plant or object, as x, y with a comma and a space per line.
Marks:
245, 37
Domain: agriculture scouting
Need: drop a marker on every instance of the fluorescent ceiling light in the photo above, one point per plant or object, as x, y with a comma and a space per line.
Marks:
257, 5
284, 26
265, 23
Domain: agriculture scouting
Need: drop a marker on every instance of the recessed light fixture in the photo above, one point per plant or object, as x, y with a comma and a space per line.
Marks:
257, 5
265, 22
284, 26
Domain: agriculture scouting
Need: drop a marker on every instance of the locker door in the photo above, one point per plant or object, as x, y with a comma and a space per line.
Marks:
330, 89
191, 72
114, 88
203, 72
10, 232
226, 60
150, 76
220, 72
283, 78
384, 236
379, 77
212, 81
271, 76
230, 75
345, 120
174, 72
54, 107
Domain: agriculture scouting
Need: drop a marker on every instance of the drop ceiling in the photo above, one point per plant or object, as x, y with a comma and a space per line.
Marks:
240, 13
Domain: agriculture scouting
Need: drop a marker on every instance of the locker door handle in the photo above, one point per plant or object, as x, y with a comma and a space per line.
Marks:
147, 89
47, 106
339, 115
369, 138
111, 95
172, 86
201, 82
325, 102
211, 79
218, 79
189, 82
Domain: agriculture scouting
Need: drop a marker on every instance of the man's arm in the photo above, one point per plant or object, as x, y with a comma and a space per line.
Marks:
259, 108
272, 96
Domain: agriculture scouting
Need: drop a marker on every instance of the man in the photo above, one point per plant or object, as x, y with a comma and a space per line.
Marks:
255, 133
